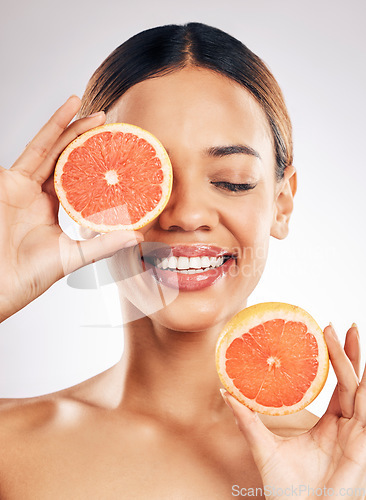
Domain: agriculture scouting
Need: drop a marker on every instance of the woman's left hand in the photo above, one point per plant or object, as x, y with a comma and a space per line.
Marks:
330, 457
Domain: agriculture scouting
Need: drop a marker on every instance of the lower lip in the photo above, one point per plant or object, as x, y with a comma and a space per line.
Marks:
191, 282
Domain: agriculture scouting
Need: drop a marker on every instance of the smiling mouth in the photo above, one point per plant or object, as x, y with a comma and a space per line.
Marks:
188, 265
188, 259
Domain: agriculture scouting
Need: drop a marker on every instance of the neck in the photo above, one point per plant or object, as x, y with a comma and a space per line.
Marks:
171, 374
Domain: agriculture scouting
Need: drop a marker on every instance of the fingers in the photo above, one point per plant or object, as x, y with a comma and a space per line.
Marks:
342, 402
76, 254
360, 401
77, 128
39, 157
262, 441
37, 150
353, 349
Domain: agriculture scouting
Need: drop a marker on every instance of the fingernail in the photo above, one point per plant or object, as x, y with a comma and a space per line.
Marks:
333, 332
224, 397
354, 326
96, 114
332, 327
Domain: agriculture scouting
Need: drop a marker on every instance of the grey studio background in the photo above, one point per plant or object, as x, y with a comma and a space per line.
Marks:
316, 49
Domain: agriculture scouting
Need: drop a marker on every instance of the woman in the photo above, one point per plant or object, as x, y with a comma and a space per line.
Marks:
154, 425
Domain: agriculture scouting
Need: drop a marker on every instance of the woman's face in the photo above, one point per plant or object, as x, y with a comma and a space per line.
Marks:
217, 137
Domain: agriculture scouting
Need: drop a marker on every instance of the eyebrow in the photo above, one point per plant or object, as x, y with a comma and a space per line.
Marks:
233, 149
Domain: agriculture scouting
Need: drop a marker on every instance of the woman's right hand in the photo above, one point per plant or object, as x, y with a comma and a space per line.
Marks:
34, 251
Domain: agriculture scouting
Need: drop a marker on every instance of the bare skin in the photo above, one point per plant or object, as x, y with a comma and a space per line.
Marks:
85, 442
155, 425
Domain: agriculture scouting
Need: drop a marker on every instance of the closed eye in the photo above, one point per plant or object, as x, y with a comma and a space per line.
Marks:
229, 186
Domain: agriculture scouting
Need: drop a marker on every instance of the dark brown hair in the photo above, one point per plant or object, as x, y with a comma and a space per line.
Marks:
164, 49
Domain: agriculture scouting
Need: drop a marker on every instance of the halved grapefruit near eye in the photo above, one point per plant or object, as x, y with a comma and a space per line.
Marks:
116, 176
273, 358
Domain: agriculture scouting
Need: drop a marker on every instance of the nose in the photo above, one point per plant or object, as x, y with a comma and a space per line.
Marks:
189, 208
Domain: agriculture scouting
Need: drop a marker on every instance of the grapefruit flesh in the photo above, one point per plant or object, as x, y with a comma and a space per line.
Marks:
116, 176
273, 358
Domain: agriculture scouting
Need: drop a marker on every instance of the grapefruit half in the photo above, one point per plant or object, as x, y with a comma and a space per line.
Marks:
116, 176
273, 358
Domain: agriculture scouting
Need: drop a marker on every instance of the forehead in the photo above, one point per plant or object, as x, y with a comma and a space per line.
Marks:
197, 105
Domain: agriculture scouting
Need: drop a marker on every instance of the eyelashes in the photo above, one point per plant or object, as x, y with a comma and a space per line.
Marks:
229, 186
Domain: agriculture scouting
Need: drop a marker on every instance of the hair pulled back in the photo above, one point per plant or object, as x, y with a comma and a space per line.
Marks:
165, 49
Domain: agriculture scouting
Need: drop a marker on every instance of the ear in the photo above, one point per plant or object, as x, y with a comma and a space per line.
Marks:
284, 203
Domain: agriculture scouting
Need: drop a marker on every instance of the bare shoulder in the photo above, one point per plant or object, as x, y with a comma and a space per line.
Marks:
36, 435
8, 404
20, 416
30, 416
54, 412
100, 390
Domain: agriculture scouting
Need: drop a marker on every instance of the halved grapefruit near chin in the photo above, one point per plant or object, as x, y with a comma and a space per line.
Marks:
116, 176
273, 358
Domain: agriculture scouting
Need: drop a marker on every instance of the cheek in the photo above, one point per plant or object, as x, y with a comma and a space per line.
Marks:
250, 220
250, 223
137, 284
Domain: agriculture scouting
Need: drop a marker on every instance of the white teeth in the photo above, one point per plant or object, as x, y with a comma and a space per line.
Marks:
195, 263
213, 261
205, 261
172, 263
161, 264
189, 265
183, 263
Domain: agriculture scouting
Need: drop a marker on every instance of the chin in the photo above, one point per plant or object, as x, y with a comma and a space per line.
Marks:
194, 324
174, 309
187, 314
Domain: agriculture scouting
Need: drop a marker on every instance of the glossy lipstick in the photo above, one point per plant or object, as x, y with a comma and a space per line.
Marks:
194, 278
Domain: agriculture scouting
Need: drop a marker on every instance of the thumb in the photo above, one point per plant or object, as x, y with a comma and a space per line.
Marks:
76, 254
262, 441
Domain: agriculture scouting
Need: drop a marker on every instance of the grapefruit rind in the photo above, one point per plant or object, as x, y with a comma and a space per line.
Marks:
249, 318
161, 153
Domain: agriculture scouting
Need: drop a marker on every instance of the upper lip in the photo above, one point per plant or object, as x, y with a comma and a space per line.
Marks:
191, 250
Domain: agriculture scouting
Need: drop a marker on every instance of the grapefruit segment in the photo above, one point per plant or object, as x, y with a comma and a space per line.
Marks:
273, 358
116, 176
